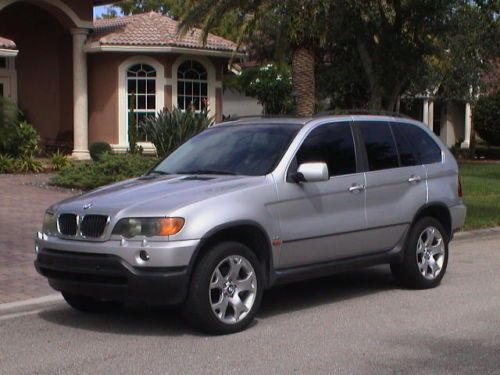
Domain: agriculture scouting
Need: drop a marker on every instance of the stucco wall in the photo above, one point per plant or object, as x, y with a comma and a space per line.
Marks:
44, 68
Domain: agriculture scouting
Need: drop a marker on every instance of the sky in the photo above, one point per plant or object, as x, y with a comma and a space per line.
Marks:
100, 10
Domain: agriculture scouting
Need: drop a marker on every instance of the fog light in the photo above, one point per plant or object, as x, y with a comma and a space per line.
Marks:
36, 249
143, 254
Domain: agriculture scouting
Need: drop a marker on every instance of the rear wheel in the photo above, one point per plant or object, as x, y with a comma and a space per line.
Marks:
89, 304
426, 255
226, 289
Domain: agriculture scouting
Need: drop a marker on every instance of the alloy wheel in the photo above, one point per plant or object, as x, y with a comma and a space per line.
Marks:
430, 252
233, 289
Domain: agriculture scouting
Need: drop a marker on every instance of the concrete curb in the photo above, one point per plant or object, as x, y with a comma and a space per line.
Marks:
31, 304
478, 233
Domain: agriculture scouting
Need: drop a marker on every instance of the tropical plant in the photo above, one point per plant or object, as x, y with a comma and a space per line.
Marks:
486, 117
28, 163
271, 84
7, 164
108, 169
97, 149
169, 129
59, 160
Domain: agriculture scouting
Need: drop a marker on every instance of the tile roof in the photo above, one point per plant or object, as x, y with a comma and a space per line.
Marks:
7, 44
152, 29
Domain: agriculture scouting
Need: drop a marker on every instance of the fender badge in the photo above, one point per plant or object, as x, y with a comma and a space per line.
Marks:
87, 206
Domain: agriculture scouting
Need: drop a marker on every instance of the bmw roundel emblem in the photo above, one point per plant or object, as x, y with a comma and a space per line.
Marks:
87, 206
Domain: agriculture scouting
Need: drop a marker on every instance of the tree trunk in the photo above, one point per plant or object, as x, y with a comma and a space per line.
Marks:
303, 81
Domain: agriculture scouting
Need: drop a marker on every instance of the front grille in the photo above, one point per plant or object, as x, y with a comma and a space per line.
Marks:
67, 224
93, 225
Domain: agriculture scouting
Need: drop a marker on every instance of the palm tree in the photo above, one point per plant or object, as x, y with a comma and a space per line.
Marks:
304, 22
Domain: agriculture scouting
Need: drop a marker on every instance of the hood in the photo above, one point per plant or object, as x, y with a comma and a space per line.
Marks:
154, 196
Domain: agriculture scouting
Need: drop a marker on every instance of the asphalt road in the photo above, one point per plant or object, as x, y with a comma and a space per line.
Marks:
357, 323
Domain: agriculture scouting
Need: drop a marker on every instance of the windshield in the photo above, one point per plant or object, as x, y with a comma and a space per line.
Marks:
252, 150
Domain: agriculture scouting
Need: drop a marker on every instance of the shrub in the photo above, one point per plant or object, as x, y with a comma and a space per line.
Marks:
22, 141
169, 129
98, 149
59, 160
10, 116
487, 118
7, 164
108, 169
27, 164
271, 85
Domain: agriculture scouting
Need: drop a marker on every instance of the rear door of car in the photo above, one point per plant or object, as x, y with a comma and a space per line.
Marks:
323, 221
395, 182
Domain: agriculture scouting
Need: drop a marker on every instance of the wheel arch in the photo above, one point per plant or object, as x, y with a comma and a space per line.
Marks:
439, 211
247, 232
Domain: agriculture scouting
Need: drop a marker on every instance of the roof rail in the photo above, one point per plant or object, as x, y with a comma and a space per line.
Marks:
361, 112
237, 118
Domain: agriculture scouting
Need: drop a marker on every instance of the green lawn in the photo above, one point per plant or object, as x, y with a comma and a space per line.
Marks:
481, 186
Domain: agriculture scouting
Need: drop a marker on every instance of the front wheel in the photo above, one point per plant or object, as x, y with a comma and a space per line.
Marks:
226, 289
426, 255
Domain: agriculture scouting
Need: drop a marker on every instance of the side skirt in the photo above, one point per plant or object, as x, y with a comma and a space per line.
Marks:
317, 270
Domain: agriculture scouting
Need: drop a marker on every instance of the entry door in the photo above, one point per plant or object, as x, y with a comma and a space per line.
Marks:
395, 184
322, 221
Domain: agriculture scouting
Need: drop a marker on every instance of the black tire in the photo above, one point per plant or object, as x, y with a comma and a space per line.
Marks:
89, 304
408, 273
197, 308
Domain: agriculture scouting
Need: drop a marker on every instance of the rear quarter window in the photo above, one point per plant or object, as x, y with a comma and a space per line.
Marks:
427, 150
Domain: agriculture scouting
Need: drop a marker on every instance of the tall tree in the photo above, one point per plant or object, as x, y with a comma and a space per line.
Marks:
410, 46
304, 22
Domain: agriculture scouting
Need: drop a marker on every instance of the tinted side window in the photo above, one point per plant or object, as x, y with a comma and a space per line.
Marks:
428, 151
332, 144
407, 153
380, 147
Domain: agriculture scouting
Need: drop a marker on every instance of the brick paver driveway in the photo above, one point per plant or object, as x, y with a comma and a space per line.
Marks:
21, 211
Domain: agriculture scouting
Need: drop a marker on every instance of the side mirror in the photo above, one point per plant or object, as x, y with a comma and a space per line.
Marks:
312, 172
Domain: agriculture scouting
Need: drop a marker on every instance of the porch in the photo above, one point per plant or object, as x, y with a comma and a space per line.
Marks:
45, 69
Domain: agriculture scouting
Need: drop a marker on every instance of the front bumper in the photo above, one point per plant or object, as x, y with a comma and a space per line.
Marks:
110, 278
114, 271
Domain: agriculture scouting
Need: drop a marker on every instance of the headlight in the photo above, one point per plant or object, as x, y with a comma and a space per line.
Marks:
149, 227
49, 223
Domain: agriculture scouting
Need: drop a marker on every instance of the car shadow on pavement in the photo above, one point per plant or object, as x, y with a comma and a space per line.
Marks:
168, 321
326, 290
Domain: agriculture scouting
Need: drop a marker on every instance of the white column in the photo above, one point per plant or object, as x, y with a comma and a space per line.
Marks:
430, 123
468, 125
425, 115
80, 96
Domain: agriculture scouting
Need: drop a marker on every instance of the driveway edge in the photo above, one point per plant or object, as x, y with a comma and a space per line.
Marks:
478, 233
19, 307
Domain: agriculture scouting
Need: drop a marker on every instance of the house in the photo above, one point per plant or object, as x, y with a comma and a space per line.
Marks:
77, 79
450, 120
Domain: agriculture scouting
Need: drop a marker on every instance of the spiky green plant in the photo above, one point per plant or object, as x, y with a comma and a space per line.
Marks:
169, 129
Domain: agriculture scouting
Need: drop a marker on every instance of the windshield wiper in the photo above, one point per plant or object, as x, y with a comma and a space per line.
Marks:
207, 171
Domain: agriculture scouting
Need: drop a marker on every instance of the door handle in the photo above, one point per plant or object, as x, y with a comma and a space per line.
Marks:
356, 188
414, 178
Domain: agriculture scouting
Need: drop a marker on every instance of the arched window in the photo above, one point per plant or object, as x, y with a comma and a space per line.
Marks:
192, 86
141, 95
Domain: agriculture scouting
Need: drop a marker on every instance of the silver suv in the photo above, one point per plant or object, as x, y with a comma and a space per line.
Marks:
252, 203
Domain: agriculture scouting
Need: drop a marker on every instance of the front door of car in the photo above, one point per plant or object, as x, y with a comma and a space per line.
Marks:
395, 184
323, 221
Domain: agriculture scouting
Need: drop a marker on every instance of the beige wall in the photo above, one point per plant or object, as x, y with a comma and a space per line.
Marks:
44, 68
103, 91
